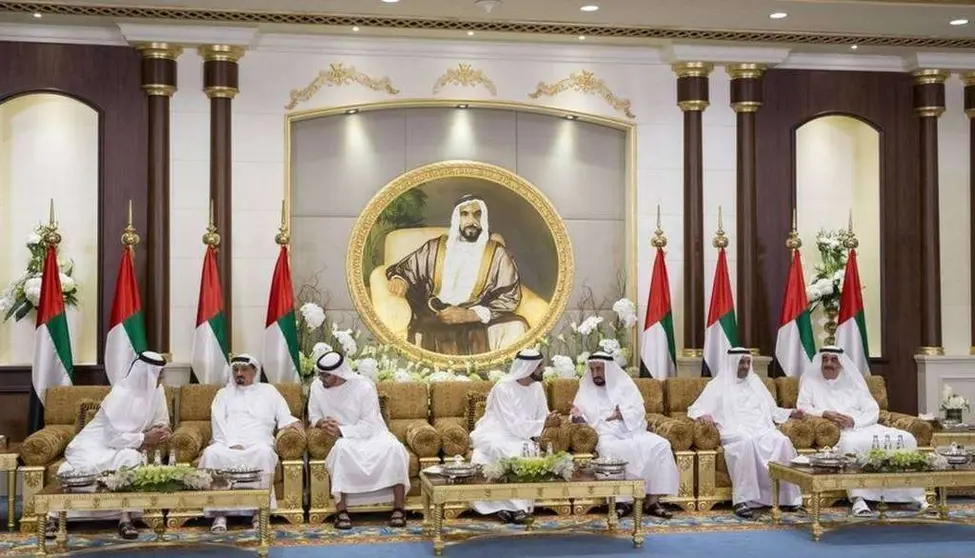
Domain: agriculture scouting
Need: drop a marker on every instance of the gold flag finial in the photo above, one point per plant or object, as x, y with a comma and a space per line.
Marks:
793, 242
658, 240
850, 242
130, 238
211, 237
51, 235
283, 237
720, 240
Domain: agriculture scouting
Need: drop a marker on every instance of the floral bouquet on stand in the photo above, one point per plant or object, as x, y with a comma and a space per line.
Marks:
826, 287
158, 478
552, 467
953, 405
22, 296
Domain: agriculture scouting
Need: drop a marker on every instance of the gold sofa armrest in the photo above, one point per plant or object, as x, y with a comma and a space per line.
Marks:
921, 429
801, 432
679, 433
319, 443
826, 433
559, 436
46, 445
189, 440
290, 444
424, 440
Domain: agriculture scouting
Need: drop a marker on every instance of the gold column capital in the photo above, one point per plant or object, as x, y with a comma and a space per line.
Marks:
692, 353
968, 78
931, 351
693, 105
164, 51
930, 76
745, 71
159, 89
929, 112
692, 69
220, 92
221, 53
746, 106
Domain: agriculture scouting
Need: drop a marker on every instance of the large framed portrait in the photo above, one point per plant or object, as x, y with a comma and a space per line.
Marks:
459, 263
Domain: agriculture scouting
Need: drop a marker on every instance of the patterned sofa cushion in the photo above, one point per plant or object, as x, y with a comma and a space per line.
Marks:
476, 407
87, 409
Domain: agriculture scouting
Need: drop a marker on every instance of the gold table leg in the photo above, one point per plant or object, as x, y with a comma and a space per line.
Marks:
612, 521
438, 543
637, 522
62, 538
39, 533
942, 503
817, 528
263, 525
11, 498
882, 509
776, 512
425, 499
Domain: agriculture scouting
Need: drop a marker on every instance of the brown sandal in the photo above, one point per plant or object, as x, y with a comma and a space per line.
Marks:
343, 521
51, 528
398, 518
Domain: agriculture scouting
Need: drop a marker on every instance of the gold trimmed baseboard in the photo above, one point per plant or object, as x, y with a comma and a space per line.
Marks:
931, 351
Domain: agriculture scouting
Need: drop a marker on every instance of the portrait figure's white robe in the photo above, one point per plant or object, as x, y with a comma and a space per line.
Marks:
367, 461
648, 456
746, 417
513, 416
246, 416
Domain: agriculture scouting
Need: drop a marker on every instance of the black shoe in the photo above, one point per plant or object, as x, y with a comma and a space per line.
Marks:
521, 518
742, 511
51, 528
506, 516
128, 531
623, 509
791, 509
657, 509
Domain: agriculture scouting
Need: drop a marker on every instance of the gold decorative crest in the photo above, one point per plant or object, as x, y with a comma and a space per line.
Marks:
464, 75
337, 75
584, 82
503, 178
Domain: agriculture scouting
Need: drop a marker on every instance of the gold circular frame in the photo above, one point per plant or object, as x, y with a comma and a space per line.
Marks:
458, 169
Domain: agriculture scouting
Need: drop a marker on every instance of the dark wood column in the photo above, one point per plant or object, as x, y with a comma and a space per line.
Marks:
159, 83
692, 98
746, 98
969, 78
220, 83
929, 104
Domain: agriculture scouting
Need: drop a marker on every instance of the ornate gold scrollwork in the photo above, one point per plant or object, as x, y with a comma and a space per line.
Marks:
584, 82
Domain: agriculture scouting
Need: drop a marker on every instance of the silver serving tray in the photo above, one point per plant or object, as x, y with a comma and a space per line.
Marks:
241, 475
830, 461
957, 457
459, 470
77, 481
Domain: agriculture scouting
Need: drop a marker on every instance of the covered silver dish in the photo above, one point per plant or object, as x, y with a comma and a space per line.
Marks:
830, 459
240, 474
954, 454
458, 468
80, 479
608, 467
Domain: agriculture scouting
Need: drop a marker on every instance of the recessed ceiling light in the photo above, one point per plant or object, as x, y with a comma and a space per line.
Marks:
351, 111
38, 15
582, 37
589, 8
778, 15
854, 47
390, 1
959, 22
462, 106
470, 33
571, 117
356, 28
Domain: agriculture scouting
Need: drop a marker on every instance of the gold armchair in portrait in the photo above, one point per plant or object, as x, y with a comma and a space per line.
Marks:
394, 311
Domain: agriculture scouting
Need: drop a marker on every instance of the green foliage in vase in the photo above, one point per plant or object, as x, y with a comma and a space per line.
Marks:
406, 211
885, 461
532, 469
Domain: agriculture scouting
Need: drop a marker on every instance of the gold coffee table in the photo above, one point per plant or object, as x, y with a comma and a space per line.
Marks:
437, 491
8, 464
815, 481
53, 499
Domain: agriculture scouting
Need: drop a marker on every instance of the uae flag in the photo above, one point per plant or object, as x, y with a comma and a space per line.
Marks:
127, 330
794, 345
722, 329
52, 345
210, 348
851, 333
659, 356
281, 361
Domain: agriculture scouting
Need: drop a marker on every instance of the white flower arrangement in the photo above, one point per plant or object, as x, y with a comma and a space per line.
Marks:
625, 312
589, 325
345, 339
22, 296
313, 315
825, 288
951, 401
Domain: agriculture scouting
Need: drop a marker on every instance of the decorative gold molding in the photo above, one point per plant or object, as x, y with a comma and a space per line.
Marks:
968, 78
221, 92
746, 106
159, 89
464, 75
931, 351
638, 33
696, 105
692, 353
931, 76
164, 51
584, 82
337, 75
221, 53
745, 71
929, 112
692, 69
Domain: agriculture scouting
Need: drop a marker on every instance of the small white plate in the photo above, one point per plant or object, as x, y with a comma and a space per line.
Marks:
434, 470
800, 460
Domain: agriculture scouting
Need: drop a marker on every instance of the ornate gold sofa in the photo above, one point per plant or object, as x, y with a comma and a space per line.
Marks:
405, 408
562, 392
395, 312
194, 433
713, 481
43, 451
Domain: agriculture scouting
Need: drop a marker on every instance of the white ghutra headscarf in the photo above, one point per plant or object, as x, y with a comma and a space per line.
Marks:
523, 366
850, 379
129, 407
462, 261
712, 400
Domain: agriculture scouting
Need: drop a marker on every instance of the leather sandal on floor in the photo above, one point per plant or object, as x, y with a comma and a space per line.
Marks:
398, 518
343, 521
128, 531
657, 509
51, 528
743, 511
521, 518
624, 509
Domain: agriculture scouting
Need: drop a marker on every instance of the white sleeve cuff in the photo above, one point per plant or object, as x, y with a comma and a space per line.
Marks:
483, 313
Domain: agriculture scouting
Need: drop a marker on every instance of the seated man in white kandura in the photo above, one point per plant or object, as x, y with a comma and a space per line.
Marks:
516, 413
132, 416
609, 401
244, 416
832, 388
367, 464
740, 405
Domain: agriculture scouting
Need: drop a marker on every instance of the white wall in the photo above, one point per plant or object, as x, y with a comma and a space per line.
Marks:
49, 150
280, 64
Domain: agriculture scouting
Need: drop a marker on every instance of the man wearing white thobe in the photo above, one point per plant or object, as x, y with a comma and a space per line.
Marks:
132, 416
244, 416
516, 414
609, 401
367, 464
741, 407
832, 388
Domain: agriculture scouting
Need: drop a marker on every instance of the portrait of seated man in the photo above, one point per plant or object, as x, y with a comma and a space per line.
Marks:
462, 287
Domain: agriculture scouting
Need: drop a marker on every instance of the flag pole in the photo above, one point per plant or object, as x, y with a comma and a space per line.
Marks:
211, 237
659, 240
51, 235
130, 238
283, 238
720, 240
851, 242
793, 242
